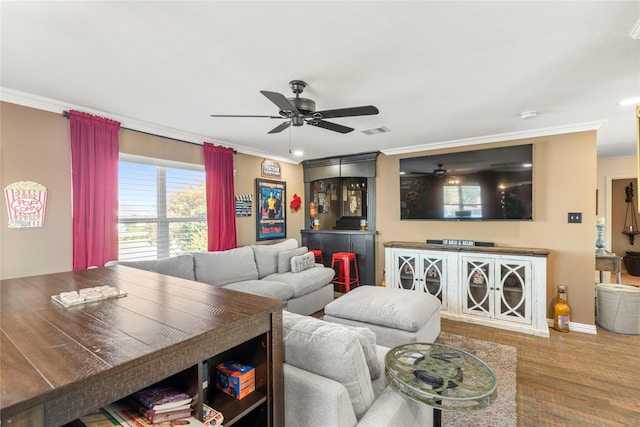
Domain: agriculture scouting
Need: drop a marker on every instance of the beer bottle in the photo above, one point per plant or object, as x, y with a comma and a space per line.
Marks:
561, 311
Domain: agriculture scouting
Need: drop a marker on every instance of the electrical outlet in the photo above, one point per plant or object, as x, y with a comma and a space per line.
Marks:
575, 217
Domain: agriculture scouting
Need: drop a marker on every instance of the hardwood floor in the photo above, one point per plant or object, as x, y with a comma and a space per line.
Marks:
571, 379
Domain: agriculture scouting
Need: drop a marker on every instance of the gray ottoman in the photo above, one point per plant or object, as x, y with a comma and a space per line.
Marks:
397, 316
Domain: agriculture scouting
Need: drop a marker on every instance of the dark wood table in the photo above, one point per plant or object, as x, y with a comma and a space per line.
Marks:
58, 363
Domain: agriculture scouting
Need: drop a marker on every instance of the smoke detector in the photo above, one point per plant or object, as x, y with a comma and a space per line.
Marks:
529, 115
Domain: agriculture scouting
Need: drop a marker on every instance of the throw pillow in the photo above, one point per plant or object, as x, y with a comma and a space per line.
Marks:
302, 262
284, 258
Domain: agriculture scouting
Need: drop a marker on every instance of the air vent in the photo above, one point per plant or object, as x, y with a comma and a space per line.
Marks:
375, 131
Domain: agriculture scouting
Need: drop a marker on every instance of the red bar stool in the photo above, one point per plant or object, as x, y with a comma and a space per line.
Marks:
318, 254
343, 274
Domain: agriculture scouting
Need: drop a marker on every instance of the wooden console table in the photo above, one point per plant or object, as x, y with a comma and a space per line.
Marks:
609, 262
58, 364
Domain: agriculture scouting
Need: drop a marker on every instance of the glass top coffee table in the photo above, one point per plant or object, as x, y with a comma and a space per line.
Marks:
441, 376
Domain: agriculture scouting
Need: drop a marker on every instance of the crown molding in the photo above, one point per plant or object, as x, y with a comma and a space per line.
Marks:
55, 106
59, 107
534, 133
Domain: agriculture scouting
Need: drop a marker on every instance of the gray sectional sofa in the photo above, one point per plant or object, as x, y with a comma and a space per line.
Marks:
283, 271
334, 376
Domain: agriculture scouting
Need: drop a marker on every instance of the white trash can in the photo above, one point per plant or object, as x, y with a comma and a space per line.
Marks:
618, 308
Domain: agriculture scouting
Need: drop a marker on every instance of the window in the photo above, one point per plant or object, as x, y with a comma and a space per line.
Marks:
162, 210
462, 201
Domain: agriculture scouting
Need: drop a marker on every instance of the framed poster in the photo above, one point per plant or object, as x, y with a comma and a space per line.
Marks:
26, 203
270, 209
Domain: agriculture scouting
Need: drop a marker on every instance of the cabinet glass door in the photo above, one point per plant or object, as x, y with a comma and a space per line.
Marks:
406, 269
513, 300
478, 277
432, 278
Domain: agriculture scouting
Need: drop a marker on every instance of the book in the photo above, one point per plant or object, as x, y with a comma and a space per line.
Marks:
128, 416
162, 397
156, 415
211, 417
99, 418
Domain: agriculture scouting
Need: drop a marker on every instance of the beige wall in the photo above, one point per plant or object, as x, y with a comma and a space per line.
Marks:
35, 147
564, 180
247, 169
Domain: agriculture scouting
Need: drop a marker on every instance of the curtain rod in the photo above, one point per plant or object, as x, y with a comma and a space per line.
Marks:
65, 114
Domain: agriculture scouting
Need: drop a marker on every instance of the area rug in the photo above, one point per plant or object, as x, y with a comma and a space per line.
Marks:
503, 360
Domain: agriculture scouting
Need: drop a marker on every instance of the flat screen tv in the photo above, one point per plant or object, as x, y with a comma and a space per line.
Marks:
488, 184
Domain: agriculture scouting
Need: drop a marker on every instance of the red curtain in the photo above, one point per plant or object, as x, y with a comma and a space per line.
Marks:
221, 210
94, 173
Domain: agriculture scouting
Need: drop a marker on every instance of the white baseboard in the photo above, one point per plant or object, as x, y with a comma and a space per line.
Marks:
578, 327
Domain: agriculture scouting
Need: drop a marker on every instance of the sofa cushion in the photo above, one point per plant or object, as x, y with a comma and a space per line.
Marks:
177, 266
367, 339
266, 256
264, 288
284, 258
390, 307
329, 350
305, 281
302, 262
224, 267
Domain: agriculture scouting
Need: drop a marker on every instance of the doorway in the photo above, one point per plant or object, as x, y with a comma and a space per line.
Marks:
621, 243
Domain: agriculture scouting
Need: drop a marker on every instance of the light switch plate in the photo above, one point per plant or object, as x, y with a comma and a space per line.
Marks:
575, 217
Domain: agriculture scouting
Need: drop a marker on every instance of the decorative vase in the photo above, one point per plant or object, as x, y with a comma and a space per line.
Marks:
600, 243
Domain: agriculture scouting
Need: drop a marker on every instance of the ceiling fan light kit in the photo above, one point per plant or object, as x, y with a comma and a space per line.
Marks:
299, 111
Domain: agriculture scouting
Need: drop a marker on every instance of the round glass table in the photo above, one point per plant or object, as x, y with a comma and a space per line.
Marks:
441, 376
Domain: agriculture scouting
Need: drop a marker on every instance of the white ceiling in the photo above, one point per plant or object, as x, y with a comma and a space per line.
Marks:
441, 73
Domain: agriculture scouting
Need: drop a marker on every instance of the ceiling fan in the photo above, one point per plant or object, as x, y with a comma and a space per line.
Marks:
303, 110
439, 172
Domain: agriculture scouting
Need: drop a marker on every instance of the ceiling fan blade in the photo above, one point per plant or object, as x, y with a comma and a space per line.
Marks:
280, 100
241, 115
280, 127
330, 126
346, 112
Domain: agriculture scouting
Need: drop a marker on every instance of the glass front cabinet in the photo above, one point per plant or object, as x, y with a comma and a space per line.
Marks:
499, 287
420, 271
